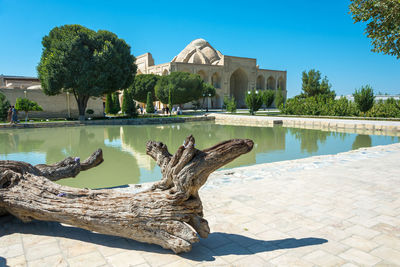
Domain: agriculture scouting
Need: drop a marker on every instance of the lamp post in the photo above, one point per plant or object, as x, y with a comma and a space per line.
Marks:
25, 93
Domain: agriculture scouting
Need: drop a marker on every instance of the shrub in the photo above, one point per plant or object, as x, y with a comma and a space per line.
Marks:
4, 105
364, 98
128, 105
253, 101
109, 104
268, 98
279, 99
90, 111
231, 105
385, 109
116, 107
149, 103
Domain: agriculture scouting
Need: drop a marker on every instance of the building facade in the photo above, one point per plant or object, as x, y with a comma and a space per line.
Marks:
231, 76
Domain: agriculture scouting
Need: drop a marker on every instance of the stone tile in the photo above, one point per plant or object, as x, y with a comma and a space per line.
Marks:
360, 243
34, 240
322, 258
11, 251
17, 261
253, 261
91, 259
266, 252
362, 231
231, 252
41, 251
387, 240
254, 227
160, 259
287, 260
215, 240
359, 257
129, 258
10, 239
56, 260
389, 255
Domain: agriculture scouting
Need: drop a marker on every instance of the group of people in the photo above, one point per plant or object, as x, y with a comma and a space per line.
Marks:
12, 115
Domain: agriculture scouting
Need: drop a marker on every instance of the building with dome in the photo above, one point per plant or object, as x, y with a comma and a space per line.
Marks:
231, 76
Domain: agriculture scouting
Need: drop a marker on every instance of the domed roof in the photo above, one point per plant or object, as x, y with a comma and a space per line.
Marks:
199, 51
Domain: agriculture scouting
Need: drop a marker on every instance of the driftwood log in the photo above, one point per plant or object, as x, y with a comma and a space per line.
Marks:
169, 214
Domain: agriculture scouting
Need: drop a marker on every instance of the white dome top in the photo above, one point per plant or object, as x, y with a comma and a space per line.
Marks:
199, 51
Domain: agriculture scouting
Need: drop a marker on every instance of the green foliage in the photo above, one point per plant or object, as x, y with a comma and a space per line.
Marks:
24, 104
149, 104
90, 111
84, 62
279, 98
116, 107
383, 23
128, 105
143, 84
320, 105
312, 84
109, 104
179, 88
208, 90
268, 97
231, 104
4, 105
364, 98
254, 101
385, 109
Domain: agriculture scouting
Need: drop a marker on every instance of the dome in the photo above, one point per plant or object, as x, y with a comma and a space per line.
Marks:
199, 51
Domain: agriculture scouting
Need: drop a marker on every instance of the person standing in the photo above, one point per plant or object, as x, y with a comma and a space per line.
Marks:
14, 115
9, 114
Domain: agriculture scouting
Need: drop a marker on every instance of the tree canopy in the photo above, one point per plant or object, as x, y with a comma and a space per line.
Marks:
4, 105
312, 84
85, 62
383, 23
24, 104
179, 88
143, 84
364, 98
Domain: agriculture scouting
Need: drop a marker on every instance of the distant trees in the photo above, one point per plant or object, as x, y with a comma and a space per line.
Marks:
26, 105
312, 84
364, 98
143, 84
4, 105
84, 62
383, 23
279, 98
254, 101
179, 88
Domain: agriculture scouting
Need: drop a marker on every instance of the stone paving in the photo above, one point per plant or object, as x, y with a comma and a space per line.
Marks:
334, 210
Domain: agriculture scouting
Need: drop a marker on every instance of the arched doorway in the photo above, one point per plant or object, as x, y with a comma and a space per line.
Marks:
281, 84
203, 75
239, 86
271, 83
165, 73
216, 80
260, 85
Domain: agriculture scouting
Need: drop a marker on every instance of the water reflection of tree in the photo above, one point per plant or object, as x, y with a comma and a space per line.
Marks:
12, 143
362, 140
309, 139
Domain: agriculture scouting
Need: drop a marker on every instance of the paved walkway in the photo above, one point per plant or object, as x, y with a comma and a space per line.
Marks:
335, 210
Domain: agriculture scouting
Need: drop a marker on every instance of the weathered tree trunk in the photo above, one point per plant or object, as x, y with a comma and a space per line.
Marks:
169, 214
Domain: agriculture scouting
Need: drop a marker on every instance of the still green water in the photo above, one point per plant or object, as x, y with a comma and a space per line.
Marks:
124, 147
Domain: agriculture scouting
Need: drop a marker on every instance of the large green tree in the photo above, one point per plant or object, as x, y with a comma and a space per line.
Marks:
364, 98
4, 105
85, 62
383, 23
312, 84
179, 88
143, 84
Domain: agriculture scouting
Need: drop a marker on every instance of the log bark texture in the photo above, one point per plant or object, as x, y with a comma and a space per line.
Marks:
169, 214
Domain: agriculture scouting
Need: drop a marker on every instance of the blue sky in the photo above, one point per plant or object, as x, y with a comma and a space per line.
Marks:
286, 35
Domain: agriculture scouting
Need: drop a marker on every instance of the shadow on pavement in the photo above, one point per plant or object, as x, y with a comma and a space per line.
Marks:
217, 243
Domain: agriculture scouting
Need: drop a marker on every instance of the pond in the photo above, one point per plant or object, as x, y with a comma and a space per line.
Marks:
126, 161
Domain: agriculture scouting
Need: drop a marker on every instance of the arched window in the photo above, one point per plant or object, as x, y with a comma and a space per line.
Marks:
216, 80
271, 83
260, 82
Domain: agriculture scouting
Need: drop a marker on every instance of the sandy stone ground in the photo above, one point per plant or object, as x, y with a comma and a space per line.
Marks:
334, 210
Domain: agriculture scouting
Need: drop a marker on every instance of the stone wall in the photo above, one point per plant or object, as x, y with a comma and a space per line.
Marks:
59, 106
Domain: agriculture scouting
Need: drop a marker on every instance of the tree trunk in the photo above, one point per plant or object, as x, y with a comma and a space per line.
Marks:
169, 214
82, 104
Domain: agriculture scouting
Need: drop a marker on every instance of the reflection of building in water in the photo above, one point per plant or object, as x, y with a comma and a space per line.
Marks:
143, 160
